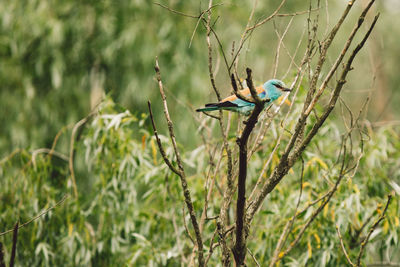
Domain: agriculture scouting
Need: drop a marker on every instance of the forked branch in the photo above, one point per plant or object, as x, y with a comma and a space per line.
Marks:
239, 249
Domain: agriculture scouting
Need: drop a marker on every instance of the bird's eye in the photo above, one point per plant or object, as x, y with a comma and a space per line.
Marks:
278, 85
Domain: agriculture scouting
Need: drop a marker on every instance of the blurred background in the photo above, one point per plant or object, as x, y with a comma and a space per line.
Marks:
58, 57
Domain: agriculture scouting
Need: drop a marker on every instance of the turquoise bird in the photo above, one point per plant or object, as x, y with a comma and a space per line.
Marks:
272, 89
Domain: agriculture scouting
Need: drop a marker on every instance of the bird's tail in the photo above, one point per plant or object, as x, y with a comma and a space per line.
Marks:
209, 107
215, 106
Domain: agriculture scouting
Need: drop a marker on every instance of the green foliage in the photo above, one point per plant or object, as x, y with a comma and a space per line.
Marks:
117, 217
129, 209
50, 50
129, 205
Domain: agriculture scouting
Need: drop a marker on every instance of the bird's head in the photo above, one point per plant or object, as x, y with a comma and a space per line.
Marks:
275, 88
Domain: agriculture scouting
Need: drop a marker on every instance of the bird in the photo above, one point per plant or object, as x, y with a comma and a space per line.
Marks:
271, 90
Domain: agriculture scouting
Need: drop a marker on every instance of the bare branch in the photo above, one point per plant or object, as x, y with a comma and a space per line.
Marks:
14, 245
335, 94
372, 229
296, 13
239, 249
181, 171
275, 13
177, 12
211, 250
50, 152
340, 57
287, 162
343, 248
249, 29
319, 209
160, 147
237, 92
210, 70
249, 80
280, 42
186, 228
254, 258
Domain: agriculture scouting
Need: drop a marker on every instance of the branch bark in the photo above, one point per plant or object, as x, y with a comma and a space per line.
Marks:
239, 249
286, 161
180, 171
14, 245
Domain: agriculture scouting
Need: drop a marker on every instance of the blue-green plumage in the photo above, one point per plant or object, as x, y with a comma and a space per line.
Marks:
272, 90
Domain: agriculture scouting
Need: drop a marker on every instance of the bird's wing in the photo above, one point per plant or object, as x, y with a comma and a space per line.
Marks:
245, 92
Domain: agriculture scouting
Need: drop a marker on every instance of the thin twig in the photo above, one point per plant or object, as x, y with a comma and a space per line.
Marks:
253, 257
275, 13
372, 229
343, 247
50, 152
287, 162
181, 171
160, 146
340, 57
211, 250
185, 225
37, 216
296, 13
55, 141
72, 150
210, 69
177, 12
280, 42
248, 30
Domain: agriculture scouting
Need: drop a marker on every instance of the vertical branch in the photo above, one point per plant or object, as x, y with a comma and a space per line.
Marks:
239, 249
14, 245
280, 42
230, 185
210, 70
181, 171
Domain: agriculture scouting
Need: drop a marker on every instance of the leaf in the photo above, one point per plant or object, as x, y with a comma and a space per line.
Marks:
395, 187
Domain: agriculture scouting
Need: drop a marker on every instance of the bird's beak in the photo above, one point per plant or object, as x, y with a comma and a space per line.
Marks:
286, 89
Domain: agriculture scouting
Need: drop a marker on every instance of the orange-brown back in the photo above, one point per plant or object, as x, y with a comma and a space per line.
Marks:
245, 92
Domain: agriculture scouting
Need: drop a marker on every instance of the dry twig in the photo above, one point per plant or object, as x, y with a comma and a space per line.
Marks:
37, 216
372, 229
180, 171
343, 248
